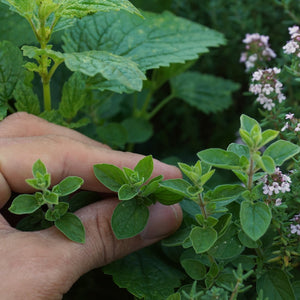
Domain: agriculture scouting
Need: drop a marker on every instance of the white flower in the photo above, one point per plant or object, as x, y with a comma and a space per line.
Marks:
278, 202
295, 229
293, 29
281, 97
276, 70
267, 89
289, 116
255, 88
290, 47
286, 126
298, 127
257, 75
285, 187
269, 104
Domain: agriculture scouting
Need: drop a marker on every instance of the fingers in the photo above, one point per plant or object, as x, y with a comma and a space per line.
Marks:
101, 246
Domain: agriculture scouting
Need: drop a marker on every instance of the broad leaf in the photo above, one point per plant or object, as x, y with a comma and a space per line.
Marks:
203, 238
193, 265
248, 123
205, 92
129, 219
113, 134
145, 167
68, 185
158, 40
23, 7
281, 151
24, 204
177, 239
127, 192
239, 149
255, 218
146, 274
110, 175
268, 136
178, 186
71, 226
225, 193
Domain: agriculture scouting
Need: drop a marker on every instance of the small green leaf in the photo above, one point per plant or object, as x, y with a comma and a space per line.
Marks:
71, 226
255, 218
175, 296
248, 123
59, 210
255, 134
50, 197
247, 241
268, 136
268, 164
151, 186
239, 149
111, 176
24, 204
220, 158
166, 196
144, 167
127, 192
192, 264
178, 238
177, 185
203, 238
225, 193
129, 219
246, 138
204, 178
223, 224
281, 151
39, 167
68, 185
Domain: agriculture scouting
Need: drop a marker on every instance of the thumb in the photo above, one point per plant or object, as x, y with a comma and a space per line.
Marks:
102, 247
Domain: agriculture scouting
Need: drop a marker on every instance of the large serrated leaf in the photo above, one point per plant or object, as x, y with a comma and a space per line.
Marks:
158, 40
205, 92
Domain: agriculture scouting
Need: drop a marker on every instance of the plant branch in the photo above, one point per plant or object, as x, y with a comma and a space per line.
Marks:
160, 106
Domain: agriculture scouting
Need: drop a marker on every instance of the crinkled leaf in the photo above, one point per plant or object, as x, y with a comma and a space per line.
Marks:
146, 274
145, 167
71, 226
255, 218
129, 219
158, 40
22, 7
203, 238
24, 204
207, 93
110, 175
110, 66
68, 185
281, 151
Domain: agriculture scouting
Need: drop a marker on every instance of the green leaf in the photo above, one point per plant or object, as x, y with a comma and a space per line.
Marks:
111, 176
71, 226
177, 185
207, 93
225, 193
39, 167
255, 218
138, 130
24, 204
59, 210
220, 158
158, 40
247, 241
275, 285
192, 264
129, 219
127, 192
147, 274
110, 66
50, 197
151, 186
203, 238
248, 123
223, 222
23, 7
281, 151
11, 69
68, 185
73, 96
145, 167
165, 196
175, 296
268, 136
239, 149
246, 138
268, 164
113, 134
178, 238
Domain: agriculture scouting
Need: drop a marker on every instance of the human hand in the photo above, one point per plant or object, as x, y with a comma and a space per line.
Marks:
44, 264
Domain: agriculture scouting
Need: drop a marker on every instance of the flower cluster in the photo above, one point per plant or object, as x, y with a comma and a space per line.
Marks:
257, 51
268, 88
276, 183
295, 228
292, 123
293, 46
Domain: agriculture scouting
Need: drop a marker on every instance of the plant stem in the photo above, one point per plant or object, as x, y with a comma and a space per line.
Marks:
160, 106
202, 206
250, 175
47, 95
235, 291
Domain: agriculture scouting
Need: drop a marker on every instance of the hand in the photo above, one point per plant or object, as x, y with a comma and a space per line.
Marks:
44, 264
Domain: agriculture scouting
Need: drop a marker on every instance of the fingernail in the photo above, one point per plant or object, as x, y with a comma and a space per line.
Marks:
163, 221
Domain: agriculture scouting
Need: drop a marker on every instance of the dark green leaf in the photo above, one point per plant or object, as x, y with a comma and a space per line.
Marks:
166, 196
138, 130
177, 239
109, 175
113, 134
255, 218
225, 193
223, 224
68, 185
24, 204
205, 92
57, 212
129, 219
203, 238
71, 226
193, 265
145, 167
247, 241
178, 186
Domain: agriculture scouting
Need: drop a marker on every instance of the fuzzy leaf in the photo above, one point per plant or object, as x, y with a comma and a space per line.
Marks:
248, 123
39, 167
207, 93
24, 204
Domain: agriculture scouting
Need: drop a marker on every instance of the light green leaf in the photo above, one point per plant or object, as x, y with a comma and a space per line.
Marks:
138, 130
110, 66
110, 175
73, 96
255, 218
268, 136
239, 149
127, 192
147, 274
275, 285
71, 226
57, 212
248, 123
158, 40
203, 238
145, 167
177, 185
24, 204
50, 197
39, 167
68, 185
23, 7
268, 164
281, 151
220, 158
207, 93
129, 219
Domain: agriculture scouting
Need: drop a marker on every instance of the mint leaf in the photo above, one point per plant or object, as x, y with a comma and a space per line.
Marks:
71, 226
129, 219
112, 67
158, 40
24, 204
207, 93
68, 186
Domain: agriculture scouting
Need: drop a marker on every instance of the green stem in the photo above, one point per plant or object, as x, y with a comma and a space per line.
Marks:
235, 291
250, 174
160, 106
202, 206
47, 95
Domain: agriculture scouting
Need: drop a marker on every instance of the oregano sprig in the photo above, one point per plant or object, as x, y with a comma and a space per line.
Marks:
55, 211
